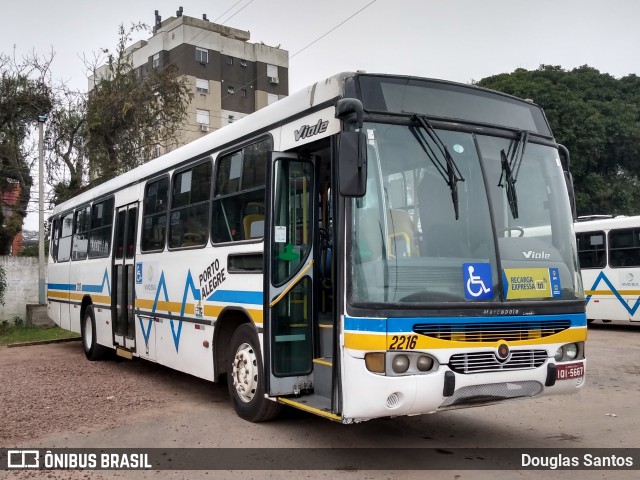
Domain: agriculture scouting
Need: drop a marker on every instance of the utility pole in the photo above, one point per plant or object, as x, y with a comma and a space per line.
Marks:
41, 290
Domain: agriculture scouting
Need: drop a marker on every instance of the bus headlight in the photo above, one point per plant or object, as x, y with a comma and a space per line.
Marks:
395, 364
570, 351
400, 363
558, 355
424, 363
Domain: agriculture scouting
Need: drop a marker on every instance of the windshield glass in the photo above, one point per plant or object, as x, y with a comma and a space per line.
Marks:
408, 247
537, 247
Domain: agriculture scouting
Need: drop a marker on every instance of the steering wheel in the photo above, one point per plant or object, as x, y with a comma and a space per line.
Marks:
520, 230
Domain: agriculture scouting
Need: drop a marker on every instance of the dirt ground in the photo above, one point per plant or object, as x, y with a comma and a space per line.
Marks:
53, 388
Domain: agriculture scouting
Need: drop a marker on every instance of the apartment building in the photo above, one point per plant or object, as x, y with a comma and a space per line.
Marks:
230, 77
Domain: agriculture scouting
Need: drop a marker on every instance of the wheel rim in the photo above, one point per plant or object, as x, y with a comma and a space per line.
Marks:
88, 332
244, 371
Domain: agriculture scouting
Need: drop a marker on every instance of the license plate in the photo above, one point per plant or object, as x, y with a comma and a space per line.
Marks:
569, 371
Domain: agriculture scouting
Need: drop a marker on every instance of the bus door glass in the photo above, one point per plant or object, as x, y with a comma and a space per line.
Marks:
123, 291
289, 286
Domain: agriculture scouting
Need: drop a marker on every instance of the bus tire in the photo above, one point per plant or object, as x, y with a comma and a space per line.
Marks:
246, 377
92, 350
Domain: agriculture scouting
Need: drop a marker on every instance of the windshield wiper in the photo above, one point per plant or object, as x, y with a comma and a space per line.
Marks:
511, 162
448, 170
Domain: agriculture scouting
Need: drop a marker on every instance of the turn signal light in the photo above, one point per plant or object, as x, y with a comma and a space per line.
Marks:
374, 361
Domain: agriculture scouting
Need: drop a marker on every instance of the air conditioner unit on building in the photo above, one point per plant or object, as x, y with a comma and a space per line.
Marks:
204, 127
274, 80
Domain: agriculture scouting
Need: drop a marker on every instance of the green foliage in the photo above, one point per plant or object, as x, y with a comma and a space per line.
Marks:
597, 117
10, 333
25, 93
33, 250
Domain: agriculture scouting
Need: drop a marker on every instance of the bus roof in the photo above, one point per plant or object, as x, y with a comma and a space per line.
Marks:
599, 223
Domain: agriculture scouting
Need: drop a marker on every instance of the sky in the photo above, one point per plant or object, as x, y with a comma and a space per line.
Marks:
458, 40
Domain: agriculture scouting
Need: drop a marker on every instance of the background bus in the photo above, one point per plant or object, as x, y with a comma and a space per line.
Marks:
371, 246
609, 252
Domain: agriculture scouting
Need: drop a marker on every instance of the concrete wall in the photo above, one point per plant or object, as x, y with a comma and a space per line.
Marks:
22, 286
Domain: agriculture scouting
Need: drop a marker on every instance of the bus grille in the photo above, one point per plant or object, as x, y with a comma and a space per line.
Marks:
491, 393
492, 332
478, 362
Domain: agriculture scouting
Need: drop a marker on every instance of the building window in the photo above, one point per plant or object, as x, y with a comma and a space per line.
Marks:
202, 85
154, 215
238, 203
157, 151
272, 74
229, 60
202, 117
271, 98
202, 55
243, 92
189, 217
156, 60
230, 89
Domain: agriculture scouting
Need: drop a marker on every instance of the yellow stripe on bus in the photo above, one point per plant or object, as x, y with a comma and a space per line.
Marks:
360, 341
609, 292
210, 311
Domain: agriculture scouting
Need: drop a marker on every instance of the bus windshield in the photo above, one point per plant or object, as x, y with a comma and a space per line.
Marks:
407, 246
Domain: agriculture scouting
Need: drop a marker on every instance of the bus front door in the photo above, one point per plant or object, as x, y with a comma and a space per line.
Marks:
124, 278
289, 275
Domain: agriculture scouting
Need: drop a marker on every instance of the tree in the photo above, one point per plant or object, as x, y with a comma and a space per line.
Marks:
597, 117
130, 111
25, 94
66, 145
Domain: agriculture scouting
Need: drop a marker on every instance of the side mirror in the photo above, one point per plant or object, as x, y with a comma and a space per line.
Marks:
352, 164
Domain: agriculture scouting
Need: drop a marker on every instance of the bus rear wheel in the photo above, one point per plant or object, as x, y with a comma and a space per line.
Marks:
92, 350
246, 377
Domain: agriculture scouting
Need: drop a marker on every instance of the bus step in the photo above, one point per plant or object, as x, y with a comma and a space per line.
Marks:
124, 353
312, 403
322, 376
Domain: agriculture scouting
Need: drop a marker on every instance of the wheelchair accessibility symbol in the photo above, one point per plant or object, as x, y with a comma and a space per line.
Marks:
477, 281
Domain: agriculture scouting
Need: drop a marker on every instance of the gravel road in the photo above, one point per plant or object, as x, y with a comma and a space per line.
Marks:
59, 390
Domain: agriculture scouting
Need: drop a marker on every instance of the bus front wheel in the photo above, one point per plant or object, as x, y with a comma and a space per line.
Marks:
92, 350
246, 377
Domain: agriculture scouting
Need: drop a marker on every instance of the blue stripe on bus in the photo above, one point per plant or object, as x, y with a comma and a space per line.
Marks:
399, 325
236, 296
61, 286
71, 287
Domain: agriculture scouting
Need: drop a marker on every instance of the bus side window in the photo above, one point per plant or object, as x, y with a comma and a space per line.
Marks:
154, 215
238, 203
101, 228
188, 226
55, 238
64, 245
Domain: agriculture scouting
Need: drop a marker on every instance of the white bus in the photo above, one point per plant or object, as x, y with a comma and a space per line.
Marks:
609, 252
363, 248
